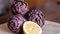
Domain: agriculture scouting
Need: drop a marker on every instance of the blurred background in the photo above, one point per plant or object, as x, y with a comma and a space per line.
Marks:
50, 8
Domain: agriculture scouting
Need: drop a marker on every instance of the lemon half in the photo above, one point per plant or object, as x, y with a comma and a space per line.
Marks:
30, 27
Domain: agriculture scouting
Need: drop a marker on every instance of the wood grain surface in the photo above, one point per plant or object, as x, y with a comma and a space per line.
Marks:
48, 28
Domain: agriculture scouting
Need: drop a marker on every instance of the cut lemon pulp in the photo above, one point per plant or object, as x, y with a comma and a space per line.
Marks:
30, 27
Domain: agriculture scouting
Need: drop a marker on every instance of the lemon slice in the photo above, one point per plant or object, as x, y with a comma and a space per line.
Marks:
30, 27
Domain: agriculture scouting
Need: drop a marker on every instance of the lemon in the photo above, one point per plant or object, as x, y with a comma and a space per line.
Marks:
30, 27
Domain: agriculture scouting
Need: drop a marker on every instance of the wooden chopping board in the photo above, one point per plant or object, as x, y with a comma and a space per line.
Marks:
48, 28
